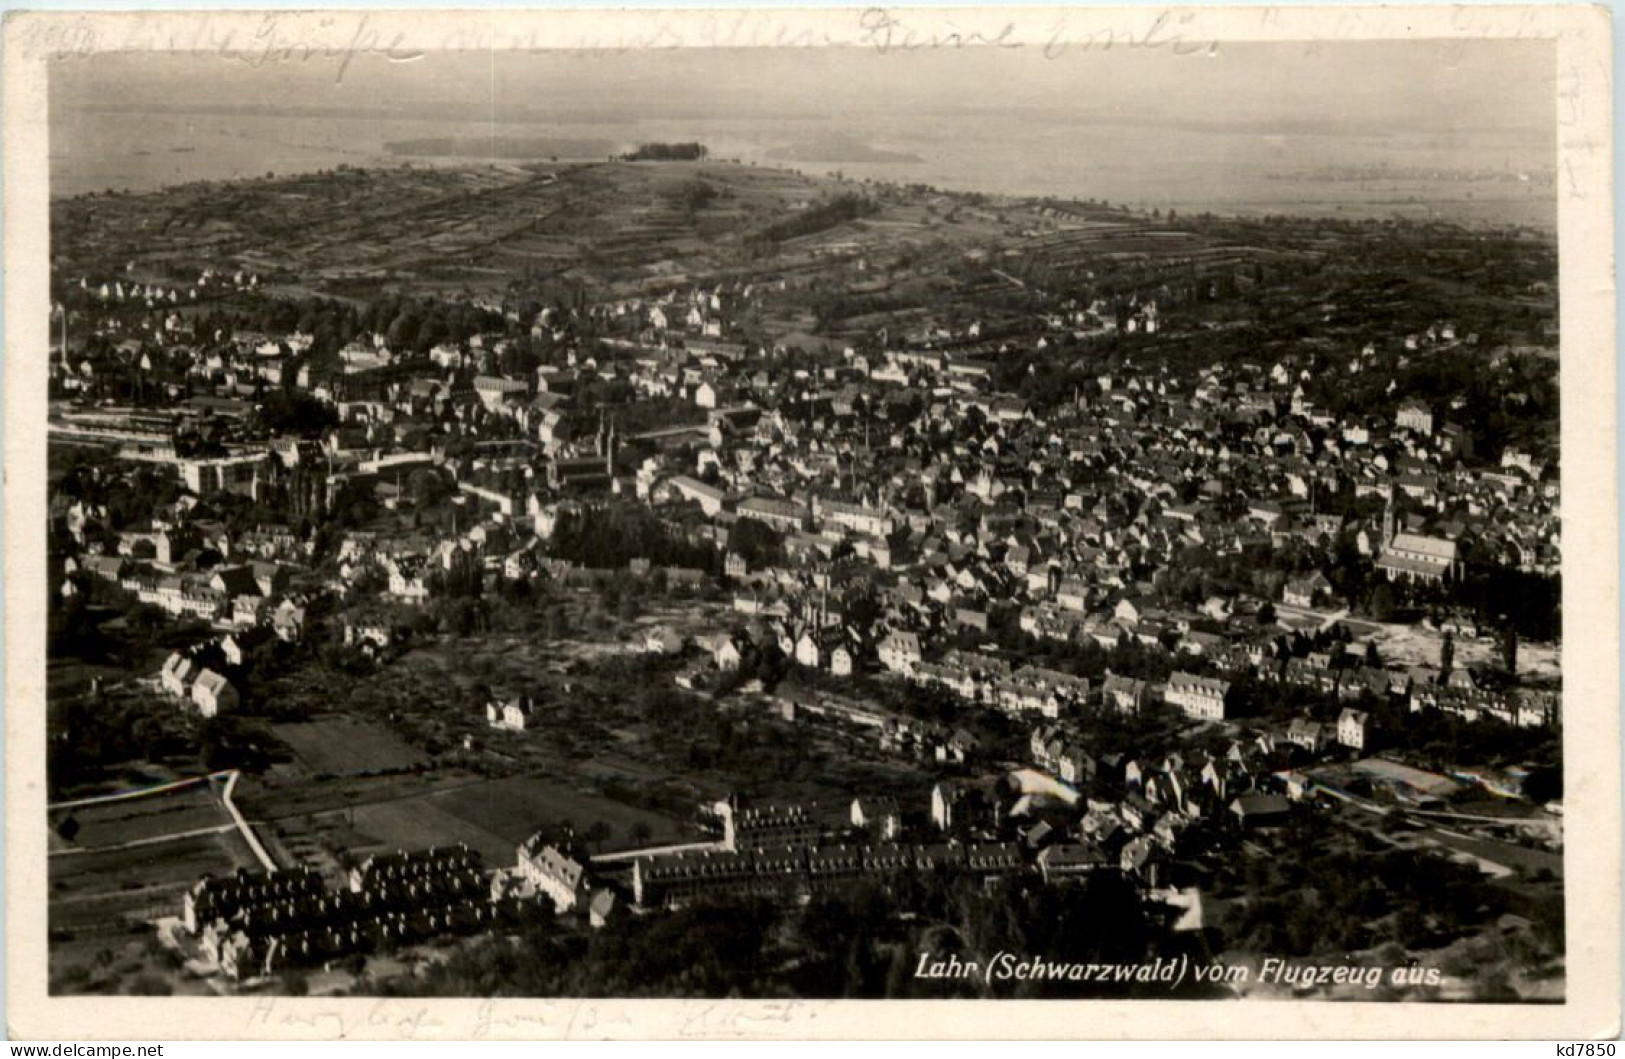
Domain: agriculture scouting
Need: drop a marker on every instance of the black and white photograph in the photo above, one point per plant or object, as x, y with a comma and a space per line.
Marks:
982, 509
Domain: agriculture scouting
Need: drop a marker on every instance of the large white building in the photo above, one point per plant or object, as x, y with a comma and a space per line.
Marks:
1353, 728
900, 652
1415, 557
1414, 415
1204, 698
857, 517
555, 873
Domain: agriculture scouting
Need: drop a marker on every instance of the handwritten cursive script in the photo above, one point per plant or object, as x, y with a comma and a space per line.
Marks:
886, 31
271, 43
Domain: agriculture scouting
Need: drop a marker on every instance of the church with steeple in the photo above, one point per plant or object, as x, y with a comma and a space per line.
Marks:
1416, 556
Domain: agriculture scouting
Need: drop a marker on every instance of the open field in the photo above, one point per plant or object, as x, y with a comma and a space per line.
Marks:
278, 797
1415, 645
491, 816
454, 224
341, 745
514, 808
1505, 854
416, 824
113, 890
70, 676
128, 776
140, 819
622, 227
591, 756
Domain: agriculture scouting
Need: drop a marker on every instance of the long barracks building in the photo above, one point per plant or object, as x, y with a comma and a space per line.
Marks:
790, 872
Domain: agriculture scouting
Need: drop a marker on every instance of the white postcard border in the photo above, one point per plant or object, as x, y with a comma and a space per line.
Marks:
1590, 537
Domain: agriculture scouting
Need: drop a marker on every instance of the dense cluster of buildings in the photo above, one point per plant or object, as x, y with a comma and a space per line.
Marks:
908, 509
972, 506
1139, 820
918, 515
252, 924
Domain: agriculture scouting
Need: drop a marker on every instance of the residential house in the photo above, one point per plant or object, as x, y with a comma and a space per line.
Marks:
177, 675
881, 817
1354, 728
512, 715
1310, 735
1204, 698
900, 652
1306, 591
213, 694
1123, 694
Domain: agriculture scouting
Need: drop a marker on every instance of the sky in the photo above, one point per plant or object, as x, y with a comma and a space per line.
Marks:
1397, 87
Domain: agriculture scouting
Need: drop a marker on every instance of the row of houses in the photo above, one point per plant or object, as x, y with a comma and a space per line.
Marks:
240, 596
786, 872
253, 924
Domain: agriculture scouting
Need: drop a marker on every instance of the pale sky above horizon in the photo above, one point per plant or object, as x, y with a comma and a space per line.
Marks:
1499, 87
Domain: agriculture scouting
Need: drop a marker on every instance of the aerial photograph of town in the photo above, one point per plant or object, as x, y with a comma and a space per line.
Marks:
827, 523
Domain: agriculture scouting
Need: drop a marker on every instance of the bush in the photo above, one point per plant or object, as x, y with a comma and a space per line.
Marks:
150, 985
74, 976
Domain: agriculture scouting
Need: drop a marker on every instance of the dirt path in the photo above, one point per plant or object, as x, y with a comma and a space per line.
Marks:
153, 841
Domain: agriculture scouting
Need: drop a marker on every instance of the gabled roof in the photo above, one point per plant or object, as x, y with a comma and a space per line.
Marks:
1434, 547
212, 682
238, 581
